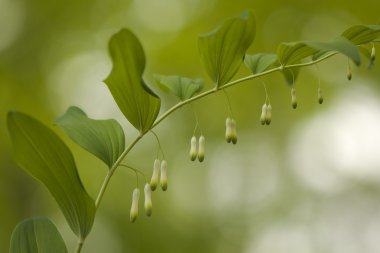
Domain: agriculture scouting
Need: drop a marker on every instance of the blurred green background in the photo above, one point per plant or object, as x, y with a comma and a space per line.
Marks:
309, 183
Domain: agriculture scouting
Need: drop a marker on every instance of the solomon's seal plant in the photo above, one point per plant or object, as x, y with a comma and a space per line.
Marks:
42, 154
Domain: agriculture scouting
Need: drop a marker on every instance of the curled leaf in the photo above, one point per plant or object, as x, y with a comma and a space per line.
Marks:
139, 104
103, 138
295, 52
362, 34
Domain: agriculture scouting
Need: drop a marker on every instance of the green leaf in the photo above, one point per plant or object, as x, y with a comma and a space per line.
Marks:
139, 104
103, 138
36, 235
41, 153
258, 63
295, 52
291, 75
362, 34
223, 49
182, 87
341, 45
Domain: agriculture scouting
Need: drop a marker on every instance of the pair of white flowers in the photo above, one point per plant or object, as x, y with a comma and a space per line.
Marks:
159, 175
231, 133
266, 114
197, 150
135, 202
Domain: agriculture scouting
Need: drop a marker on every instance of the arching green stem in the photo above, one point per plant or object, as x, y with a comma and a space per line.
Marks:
175, 108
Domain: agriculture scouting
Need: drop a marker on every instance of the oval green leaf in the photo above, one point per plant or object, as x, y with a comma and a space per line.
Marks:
103, 138
223, 49
258, 63
41, 153
295, 52
339, 45
362, 34
182, 87
36, 235
139, 104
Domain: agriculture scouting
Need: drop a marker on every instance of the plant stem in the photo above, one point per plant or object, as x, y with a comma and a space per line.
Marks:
79, 246
113, 168
232, 83
179, 105
176, 107
106, 182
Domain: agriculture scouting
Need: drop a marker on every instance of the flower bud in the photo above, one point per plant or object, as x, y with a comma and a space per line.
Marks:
148, 200
164, 177
320, 98
155, 175
193, 148
349, 74
233, 132
263, 114
201, 149
373, 54
228, 130
135, 205
268, 117
294, 98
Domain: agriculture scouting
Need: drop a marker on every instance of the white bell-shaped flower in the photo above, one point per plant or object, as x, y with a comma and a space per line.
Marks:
228, 130
263, 115
201, 148
164, 176
193, 148
155, 175
268, 116
148, 200
233, 132
135, 205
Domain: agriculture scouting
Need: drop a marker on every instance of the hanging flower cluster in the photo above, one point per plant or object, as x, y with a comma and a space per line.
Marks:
231, 133
197, 150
